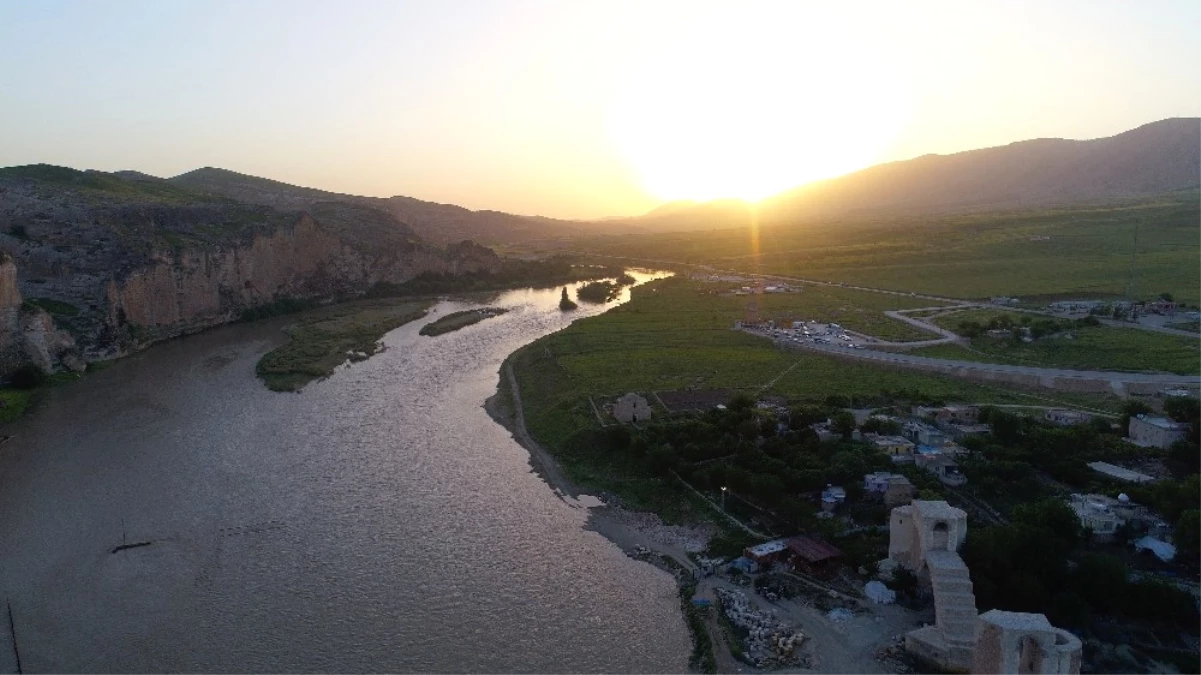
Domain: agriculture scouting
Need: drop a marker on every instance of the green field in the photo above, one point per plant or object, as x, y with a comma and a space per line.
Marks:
675, 335
1097, 348
325, 338
1083, 250
860, 311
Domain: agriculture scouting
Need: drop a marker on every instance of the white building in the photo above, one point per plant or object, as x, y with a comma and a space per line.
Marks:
1156, 432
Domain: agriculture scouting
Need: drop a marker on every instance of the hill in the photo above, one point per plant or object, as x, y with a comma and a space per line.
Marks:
1153, 159
437, 223
123, 259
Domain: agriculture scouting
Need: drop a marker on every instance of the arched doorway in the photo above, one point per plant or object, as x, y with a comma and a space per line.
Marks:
941, 535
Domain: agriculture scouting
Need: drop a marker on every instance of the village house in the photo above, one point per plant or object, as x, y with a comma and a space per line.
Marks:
962, 431
1156, 432
946, 469
767, 553
1104, 515
923, 434
833, 497
1066, 418
893, 488
813, 556
896, 447
631, 408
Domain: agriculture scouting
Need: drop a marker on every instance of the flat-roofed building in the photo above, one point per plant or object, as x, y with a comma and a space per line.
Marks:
1156, 432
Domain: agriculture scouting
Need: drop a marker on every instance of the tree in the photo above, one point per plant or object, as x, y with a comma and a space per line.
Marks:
1132, 409
803, 416
566, 303
837, 401
1166, 297
843, 423
1187, 536
879, 425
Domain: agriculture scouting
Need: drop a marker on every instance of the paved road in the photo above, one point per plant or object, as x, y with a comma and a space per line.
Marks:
1044, 373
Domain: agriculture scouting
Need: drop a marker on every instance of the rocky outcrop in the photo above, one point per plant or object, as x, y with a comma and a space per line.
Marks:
27, 333
121, 264
197, 288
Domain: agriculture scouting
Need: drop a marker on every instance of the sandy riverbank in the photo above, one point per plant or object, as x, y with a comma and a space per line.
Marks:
626, 529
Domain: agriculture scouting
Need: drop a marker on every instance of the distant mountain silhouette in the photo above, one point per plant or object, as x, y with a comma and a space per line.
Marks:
438, 223
1152, 159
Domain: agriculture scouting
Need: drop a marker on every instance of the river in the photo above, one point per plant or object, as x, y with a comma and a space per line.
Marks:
377, 521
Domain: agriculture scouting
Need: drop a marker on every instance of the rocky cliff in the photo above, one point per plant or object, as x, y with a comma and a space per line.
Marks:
27, 332
121, 263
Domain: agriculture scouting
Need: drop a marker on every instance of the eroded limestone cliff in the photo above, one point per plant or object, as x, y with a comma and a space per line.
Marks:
121, 264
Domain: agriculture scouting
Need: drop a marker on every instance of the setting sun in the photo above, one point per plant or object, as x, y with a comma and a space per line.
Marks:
747, 104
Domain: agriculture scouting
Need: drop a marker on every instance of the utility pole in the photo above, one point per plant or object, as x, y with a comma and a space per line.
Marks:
12, 627
1132, 285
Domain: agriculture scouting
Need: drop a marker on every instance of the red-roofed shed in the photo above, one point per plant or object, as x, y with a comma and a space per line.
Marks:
813, 556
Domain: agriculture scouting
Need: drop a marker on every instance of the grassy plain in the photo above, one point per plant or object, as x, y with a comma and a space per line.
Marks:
1081, 250
456, 320
1096, 348
675, 334
325, 338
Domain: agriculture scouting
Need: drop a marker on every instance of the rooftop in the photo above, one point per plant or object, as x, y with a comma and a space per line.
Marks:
812, 550
1023, 621
938, 509
1119, 472
1162, 423
768, 548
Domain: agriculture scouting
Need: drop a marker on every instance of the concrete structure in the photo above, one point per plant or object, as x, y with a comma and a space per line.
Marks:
946, 470
1094, 513
1104, 515
833, 497
895, 489
632, 408
962, 431
767, 553
1121, 473
923, 434
893, 446
925, 537
1066, 418
1019, 642
1156, 432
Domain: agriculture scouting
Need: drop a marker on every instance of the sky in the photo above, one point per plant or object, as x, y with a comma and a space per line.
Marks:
574, 109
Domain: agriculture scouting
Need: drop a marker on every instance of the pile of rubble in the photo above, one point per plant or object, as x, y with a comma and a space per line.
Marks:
770, 643
692, 539
894, 658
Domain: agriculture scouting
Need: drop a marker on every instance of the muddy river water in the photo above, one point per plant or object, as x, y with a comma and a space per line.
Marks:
377, 521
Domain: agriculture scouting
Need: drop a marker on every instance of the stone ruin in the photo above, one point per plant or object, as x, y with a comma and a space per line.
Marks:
925, 537
631, 408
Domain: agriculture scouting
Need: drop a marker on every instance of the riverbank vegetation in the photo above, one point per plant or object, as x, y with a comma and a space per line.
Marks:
456, 320
553, 271
325, 338
598, 292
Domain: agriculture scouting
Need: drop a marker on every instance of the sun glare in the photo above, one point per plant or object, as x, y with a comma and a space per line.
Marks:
749, 104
